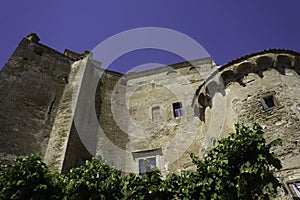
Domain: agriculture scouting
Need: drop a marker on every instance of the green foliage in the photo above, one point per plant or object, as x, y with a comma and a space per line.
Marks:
28, 178
94, 180
239, 167
149, 186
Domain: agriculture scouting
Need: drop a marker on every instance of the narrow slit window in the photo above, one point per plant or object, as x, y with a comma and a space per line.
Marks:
177, 110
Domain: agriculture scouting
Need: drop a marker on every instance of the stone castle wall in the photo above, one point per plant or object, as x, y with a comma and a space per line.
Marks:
31, 83
263, 88
65, 148
66, 108
131, 128
152, 124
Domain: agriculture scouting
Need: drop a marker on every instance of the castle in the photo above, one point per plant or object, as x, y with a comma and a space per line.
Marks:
68, 109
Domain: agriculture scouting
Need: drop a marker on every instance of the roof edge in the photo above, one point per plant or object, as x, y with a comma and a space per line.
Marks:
247, 56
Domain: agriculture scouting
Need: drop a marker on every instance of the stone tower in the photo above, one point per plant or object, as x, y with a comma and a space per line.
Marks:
261, 87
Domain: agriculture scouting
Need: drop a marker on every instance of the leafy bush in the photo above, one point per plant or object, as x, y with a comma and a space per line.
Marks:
94, 180
29, 178
239, 167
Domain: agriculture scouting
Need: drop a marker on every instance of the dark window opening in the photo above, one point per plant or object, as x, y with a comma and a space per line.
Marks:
146, 165
177, 109
268, 101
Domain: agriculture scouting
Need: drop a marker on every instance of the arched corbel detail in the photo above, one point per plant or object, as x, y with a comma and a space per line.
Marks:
283, 62
263, 63
204, 101
227, 77
245, 68
236, 70
296, 65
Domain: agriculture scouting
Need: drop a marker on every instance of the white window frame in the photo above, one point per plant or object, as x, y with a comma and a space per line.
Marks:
139, 156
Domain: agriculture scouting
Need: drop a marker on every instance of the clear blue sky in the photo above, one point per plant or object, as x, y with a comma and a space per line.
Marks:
226, 29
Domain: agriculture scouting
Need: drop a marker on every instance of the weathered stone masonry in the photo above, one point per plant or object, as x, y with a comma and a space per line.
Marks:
66, 108
262, 87
32, 83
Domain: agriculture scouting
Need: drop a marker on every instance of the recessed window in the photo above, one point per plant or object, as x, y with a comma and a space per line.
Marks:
155, 113
268, 101
147, 160
146, 165
177, 110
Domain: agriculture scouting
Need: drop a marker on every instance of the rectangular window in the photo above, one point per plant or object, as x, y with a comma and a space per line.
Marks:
155, 114
268, 101
177, 109
145, 165
147, 160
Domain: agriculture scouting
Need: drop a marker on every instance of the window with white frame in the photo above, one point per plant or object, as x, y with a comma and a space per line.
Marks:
147, 160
